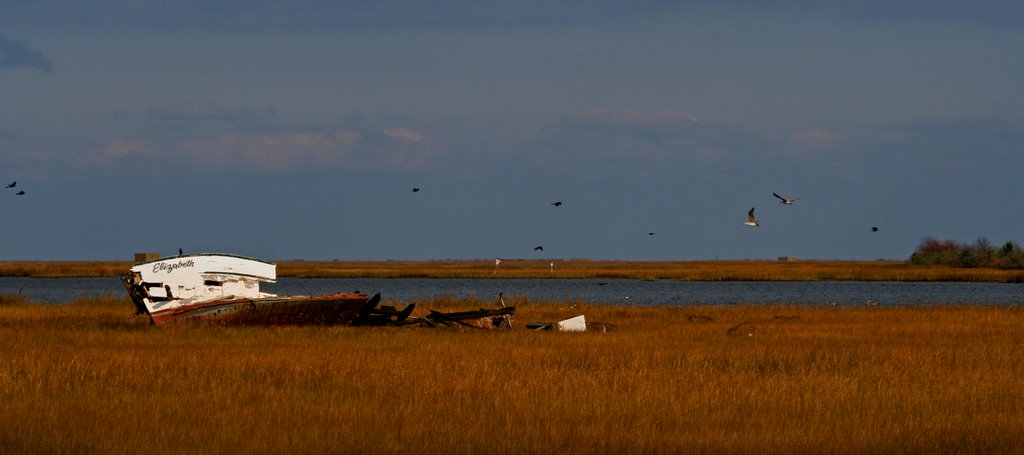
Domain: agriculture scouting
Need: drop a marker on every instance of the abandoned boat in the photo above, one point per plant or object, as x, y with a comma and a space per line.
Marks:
224, 289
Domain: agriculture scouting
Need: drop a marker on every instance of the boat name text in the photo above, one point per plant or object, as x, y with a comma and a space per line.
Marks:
161, 266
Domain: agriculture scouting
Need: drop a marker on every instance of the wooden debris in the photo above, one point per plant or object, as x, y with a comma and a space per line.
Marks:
743, 329
699, 318
573, 324
479, 319
386, 315
601, 327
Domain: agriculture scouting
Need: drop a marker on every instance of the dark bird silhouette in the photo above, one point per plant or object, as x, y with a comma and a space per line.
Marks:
785, 201
538, 248
874, 228
179, 252
650, 233
20, 193
12, 185
416, 190
556, 203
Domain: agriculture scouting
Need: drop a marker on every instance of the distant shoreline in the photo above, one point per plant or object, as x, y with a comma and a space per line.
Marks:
733, 270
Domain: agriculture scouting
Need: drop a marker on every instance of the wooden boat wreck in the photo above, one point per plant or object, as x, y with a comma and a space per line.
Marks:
223, 289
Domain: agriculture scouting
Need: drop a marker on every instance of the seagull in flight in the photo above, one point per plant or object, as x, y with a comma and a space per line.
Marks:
785, 201
538, 248
12, 185
416, 190
751, 221
874, 228
20, 193
556, 203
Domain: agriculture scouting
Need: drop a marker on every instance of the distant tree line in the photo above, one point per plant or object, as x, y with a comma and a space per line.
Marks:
981, 253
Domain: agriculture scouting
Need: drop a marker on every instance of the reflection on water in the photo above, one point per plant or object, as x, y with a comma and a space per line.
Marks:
615, 291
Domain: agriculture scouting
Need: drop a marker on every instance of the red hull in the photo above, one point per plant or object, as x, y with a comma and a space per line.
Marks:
337, 309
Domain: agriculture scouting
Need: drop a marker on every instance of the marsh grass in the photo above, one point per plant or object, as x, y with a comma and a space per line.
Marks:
575, 269
87, 377
63, 269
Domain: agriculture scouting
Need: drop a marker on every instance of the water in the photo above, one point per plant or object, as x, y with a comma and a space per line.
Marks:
613, 291
61, 290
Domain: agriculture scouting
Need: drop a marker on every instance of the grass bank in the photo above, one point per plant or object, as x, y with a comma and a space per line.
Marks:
575, 269
87, 377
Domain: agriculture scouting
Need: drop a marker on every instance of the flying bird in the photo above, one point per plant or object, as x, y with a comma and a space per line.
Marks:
12, 185
751, 221
874, 228
556, 203
785, 201
538, 248
20, 193
416, 189
650, 233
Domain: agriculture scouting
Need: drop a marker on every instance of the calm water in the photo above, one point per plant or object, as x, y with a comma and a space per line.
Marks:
629, 292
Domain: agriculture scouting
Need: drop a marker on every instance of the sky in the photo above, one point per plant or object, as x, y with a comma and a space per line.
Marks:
297, 130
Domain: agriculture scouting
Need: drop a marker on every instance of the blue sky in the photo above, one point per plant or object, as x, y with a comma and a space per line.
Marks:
297, 130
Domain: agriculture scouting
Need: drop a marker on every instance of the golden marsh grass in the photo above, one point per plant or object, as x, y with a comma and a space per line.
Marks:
87, 377
573, 269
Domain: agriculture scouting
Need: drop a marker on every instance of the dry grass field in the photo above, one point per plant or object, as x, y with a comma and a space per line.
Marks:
87, 377
578, 268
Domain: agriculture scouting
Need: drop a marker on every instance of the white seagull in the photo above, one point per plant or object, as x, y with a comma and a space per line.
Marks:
751, 221
784, 200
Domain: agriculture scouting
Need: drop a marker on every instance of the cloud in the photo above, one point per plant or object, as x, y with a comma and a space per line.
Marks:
121, 147
653, 134
404, 134
812, 140
17, 54
389, 148
280, 151
954, 144
210, 111
402, 149
604, 143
